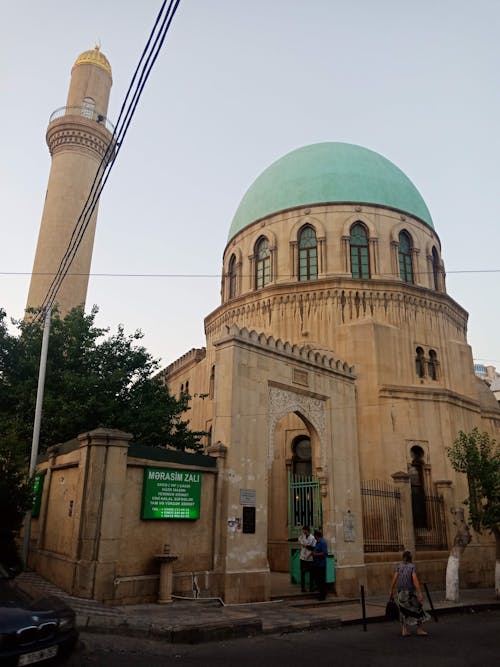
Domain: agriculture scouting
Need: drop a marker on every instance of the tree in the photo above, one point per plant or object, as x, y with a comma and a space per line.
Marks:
478, 457
16, 496
91, 381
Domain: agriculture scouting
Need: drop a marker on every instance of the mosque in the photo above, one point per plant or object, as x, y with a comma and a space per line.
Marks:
336, 369
338, 362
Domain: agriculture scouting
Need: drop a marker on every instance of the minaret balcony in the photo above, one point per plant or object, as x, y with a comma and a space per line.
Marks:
83, 112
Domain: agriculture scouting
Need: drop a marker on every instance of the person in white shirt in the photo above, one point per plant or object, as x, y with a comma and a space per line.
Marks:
307, 543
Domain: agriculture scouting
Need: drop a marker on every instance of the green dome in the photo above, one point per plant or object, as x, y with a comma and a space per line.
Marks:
329, 173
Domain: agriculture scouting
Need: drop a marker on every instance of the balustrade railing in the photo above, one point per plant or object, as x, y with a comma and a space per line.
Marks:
84, 112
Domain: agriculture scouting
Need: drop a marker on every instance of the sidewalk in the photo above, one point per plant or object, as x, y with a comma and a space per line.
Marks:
194, 621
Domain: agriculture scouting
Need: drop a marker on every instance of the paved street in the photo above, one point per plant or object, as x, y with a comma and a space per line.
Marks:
457, 640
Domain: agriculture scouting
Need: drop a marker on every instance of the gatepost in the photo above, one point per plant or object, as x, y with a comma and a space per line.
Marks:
101, 492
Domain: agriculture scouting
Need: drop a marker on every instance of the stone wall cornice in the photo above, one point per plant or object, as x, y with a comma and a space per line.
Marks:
193, 356
384, 300
299, 353
434, 393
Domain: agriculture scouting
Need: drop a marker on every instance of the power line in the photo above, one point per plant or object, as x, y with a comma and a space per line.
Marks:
213, 275
127, 111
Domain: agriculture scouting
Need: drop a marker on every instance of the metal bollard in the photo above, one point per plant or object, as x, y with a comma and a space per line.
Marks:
363, 607
433, 611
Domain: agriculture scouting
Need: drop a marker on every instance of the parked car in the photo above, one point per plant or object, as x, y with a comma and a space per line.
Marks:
33, 627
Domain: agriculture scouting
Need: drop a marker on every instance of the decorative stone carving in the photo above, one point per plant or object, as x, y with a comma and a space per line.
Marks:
282, 402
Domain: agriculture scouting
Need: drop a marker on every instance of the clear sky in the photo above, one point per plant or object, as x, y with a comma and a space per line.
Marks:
238, 84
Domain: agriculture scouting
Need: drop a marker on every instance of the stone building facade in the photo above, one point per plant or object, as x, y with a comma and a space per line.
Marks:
337, 356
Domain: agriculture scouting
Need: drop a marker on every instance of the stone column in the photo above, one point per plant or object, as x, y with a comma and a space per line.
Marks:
430, 272
251, 273
219, 451
346, 251
415, 252
402, 482
395, 259
293, 260
374, 256
322, 268
273, 249
101, 491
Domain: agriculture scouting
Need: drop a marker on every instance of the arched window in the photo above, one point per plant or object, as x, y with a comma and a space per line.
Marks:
360, 260
420, 362
417, 483
433, 365
302, 471
308, 254
262, 263
187, 387
232, 277
211, 387
88, 106
405, 262
302, 463
435, 268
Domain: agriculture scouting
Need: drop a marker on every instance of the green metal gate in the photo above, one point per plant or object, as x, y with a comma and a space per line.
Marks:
304, 509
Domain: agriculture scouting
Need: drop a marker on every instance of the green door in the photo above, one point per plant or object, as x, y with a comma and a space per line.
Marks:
304, 509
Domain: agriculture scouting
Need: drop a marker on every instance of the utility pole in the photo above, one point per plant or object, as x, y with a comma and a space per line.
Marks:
36, 424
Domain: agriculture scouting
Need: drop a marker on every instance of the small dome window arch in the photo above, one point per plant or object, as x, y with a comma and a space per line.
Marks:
405, 257
435, 268
232, 277
211, 386
308, 253
417, 484
360, 257
433, 364
262, 263
420, 362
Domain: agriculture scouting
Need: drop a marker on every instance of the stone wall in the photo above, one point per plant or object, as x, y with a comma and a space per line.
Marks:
89, 538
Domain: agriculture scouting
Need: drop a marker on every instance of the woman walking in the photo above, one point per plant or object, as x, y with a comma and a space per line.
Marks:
409, 599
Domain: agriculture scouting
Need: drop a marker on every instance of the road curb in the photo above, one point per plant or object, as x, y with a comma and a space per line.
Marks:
174, 634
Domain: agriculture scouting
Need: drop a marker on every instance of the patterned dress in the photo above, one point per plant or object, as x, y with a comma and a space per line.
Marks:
411, 611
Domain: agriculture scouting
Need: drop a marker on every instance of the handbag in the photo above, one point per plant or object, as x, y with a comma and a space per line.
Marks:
391, 611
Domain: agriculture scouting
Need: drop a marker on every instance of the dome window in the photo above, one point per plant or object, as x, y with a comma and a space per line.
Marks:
232, 277
405, 260
420, 362
433, 365
360, 260
308, 254
263, 263
435, 268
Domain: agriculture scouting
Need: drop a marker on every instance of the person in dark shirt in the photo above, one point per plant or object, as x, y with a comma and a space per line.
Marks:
320, 554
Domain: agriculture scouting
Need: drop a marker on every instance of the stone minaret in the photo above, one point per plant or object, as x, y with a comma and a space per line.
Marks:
77, 136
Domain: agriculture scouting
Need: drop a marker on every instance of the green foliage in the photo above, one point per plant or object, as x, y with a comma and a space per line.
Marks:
92, 380
478, 457
16, 496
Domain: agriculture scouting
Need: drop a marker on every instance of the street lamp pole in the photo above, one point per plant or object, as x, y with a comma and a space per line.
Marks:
36, 424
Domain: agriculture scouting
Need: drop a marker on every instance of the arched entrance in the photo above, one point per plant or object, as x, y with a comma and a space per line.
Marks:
294, 490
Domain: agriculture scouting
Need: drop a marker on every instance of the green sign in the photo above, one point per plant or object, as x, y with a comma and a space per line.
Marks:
37, 495
171, 494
